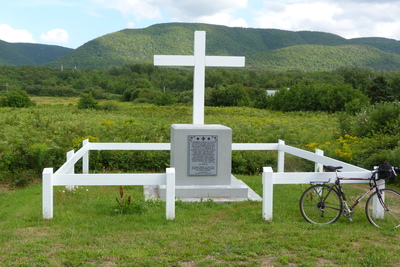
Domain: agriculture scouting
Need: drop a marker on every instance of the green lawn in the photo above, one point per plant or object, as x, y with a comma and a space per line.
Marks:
89, 230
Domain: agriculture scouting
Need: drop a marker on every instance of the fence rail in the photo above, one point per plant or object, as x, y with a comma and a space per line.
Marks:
51, 179
65, 175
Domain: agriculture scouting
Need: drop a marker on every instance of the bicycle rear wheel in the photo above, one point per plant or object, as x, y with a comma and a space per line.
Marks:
320, 204
377, 214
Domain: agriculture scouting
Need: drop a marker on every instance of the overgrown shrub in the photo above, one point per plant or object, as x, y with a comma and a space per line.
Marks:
314, 96
87, 102
381, 118
164, 99
16, 99
228, 96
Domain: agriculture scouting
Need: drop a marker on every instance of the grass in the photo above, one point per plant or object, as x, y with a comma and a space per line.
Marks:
88, 230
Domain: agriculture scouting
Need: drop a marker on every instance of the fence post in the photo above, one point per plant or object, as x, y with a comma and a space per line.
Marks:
318, 166
70, 154
378, 211
47, 193
281, 157
170, 194
268, 189
85, 158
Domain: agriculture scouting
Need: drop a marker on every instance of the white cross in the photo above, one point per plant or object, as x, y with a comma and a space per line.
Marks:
199, 60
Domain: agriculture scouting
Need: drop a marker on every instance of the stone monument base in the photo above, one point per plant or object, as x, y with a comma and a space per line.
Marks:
236, 191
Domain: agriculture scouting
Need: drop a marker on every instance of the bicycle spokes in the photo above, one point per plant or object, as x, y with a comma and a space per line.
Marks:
320, 204
384, 211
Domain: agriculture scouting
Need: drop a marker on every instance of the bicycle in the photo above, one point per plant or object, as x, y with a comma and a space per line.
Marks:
324, 204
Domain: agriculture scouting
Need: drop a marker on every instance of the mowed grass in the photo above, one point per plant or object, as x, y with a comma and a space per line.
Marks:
89, 230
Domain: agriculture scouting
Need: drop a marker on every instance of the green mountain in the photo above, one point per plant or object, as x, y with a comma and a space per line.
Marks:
267, 49
15, 54
320, 58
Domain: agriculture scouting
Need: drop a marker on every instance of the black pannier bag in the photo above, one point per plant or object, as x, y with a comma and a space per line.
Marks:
386, 171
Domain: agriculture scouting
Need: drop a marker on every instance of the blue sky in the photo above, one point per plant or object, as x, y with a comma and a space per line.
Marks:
71, 23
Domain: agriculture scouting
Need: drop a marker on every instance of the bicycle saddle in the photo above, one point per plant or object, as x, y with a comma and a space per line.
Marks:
333, 168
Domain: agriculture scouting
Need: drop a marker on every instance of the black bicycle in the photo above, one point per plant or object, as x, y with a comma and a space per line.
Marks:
323, 204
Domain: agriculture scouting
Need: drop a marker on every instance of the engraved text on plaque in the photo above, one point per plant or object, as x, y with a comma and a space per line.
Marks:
203, 154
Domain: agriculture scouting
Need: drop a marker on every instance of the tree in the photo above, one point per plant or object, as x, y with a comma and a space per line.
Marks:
225, 96
315, 96
380, 90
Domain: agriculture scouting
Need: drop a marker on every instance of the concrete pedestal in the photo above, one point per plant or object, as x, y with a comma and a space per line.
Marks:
202, 156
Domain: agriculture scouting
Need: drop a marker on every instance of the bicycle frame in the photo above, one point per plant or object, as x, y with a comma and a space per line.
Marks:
373, 186
339, 188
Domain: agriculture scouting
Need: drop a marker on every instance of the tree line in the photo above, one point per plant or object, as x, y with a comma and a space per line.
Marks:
346, 88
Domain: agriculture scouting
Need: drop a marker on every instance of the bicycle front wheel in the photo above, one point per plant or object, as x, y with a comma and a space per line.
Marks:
320, 204
386, 214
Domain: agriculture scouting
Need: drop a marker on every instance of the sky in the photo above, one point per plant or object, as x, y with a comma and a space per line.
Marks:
72, 23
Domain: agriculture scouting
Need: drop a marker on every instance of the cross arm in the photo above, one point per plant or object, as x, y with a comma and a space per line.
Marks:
221, 61
161, 60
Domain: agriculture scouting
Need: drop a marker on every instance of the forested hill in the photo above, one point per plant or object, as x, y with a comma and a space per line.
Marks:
15, 54
269, 49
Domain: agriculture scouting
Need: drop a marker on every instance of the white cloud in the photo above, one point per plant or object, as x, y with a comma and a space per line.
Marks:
207, 11
130, 25
8, 34
218, 19
196, 8
57, 36
94, 14
139, 8
349, 19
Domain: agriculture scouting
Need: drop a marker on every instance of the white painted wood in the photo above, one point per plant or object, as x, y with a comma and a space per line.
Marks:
269, 179
185, 61
318, 167
47, 193
170, 193
109, 179
199, 76
50, 180
199, 61
255, 146
85, 158
281, 156
378, 212
268, 193
70, 154
130, 146
223, 61
65, 174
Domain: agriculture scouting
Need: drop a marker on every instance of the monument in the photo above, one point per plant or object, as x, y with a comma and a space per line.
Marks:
202, 153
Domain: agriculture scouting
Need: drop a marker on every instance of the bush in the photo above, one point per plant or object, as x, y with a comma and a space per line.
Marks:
381, 118
17, 99
164, 99
109, 106
87, 102
314, 96
228, 96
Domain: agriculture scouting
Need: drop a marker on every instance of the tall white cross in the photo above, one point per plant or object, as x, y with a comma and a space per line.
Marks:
199, 60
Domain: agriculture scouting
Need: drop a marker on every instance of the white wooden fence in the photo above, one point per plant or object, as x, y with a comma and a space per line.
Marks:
65, 175
269, 178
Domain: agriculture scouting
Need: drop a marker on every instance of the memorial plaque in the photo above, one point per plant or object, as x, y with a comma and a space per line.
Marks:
203, 155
